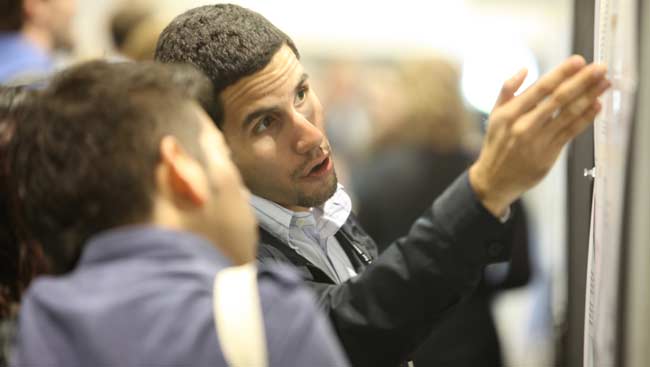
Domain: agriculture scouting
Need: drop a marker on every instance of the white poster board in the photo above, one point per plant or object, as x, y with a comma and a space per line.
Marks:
615, 44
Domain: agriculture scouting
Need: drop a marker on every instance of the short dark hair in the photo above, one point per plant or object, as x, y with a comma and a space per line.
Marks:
11, 17
227, 42
84, 157
21, 258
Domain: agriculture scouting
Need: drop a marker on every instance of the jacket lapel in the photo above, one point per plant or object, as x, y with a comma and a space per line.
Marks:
307, 270
358, 246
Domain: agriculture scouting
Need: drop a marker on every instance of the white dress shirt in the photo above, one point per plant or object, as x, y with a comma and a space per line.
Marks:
311, 233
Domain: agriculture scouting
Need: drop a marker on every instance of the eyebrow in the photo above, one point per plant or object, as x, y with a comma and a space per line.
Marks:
257, 113
267, 110
303, 79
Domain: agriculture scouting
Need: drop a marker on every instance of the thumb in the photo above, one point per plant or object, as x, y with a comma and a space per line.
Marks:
510, 87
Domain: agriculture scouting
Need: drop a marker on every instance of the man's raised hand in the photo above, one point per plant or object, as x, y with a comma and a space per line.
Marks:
527, 132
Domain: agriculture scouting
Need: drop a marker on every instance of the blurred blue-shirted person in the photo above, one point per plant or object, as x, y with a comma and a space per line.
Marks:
30, 32
129, 187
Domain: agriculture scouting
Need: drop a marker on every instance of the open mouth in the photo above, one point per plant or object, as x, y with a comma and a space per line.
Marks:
321, 168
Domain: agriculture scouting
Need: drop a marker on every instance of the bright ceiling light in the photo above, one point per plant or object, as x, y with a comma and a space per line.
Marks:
489, 63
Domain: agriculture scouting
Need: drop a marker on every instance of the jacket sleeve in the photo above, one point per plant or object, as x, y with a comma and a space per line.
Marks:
385, 312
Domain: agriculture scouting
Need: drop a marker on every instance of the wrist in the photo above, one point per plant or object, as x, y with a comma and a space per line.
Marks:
488, 194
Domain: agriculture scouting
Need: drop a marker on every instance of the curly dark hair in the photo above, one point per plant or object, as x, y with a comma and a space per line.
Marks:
84, 157
227, 42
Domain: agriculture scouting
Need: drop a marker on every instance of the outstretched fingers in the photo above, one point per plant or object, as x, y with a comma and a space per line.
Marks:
572, 97
546, 85
577, 126
579, 106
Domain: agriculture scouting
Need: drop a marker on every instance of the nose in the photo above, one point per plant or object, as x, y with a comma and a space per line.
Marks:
307, 135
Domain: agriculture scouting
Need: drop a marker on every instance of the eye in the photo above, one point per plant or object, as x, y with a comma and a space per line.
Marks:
262, 125
301, 94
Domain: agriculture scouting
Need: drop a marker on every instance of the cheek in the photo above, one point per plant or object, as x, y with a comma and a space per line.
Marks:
265, 148
231, 173
259, 158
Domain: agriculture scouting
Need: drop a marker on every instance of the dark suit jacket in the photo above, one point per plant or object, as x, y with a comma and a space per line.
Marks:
382, 314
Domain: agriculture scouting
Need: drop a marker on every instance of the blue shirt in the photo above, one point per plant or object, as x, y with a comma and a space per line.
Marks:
142, 296
21, 60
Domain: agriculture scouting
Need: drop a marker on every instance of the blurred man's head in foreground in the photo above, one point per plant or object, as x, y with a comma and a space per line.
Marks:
111, 145
21, 258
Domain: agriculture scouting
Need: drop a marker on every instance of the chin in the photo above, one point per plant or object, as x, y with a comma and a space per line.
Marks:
320, 195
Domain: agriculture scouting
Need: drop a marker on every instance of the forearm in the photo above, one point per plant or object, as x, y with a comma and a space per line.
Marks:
396, 301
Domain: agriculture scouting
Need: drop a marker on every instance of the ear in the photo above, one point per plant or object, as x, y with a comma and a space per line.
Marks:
185, 177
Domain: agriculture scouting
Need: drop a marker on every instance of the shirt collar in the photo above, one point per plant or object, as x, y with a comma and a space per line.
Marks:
131, 241
329, 217
332, 215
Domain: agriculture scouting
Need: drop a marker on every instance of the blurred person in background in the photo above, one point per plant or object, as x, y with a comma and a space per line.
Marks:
21, 258
415, 157
128, 185
31, 32
135, 27
427, 140
347, 122
381, 306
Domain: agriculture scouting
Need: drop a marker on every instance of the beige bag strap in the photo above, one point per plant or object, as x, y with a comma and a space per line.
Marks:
238, 316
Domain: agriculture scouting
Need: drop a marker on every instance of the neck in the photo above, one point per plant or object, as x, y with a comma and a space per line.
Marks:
297, 208
293, 208
38, 37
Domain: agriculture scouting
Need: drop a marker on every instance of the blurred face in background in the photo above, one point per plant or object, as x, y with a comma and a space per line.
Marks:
54, 17
274, 126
